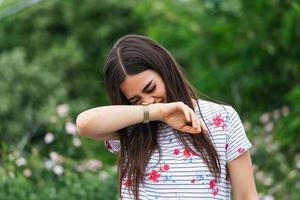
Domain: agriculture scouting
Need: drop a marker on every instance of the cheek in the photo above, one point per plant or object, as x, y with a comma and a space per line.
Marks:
161, 91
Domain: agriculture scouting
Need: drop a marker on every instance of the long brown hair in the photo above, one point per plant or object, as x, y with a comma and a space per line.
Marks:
130, 55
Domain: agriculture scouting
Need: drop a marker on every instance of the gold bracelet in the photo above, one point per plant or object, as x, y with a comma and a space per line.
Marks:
146, 112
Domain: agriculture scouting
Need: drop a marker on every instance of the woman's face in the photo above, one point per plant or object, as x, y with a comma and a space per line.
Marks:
146, 86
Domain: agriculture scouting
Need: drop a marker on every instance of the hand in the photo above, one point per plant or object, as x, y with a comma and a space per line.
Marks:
181, 117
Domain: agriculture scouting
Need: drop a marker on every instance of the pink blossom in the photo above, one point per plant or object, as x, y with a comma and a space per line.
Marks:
154, 176
218, 120
241, 150
93, 165
70, 128
27, 172
62, 109
187, 152
176, 152
215, 192
103, 175
212, 184
76, 142
285, 110
56, 158
265, 118
166, 167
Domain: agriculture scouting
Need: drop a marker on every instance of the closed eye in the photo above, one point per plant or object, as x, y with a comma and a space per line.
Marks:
153, 88
149, 91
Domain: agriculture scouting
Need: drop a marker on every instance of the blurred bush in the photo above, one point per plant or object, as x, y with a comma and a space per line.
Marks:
51, 57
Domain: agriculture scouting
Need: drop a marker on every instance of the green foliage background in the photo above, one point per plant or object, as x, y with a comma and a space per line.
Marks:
245, 53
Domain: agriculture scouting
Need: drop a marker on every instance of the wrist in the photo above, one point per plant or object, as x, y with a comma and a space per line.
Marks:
155, 112
146, 113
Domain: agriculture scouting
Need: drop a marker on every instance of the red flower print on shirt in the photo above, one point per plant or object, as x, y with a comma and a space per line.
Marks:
226, 146
108, 145
212, 184
187, 152
127, 183
154, 176
165, 167
215, 192
193, 180
218, 120
241, 149
176, 152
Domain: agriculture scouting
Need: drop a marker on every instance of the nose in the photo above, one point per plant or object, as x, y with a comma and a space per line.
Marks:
148, 99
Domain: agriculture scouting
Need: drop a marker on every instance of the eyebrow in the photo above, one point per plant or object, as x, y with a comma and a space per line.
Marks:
145, 88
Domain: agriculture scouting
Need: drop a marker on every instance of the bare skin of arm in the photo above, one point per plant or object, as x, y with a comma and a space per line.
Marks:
101, 123
242, 179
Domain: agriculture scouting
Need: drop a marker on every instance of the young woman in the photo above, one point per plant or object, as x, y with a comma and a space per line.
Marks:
172, 144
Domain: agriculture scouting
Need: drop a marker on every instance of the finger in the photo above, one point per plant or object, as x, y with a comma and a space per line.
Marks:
199, 125
186, 113
194, 118
203, 126
189, 129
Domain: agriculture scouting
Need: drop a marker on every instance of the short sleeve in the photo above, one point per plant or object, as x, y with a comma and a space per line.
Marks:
236, 139
113, 146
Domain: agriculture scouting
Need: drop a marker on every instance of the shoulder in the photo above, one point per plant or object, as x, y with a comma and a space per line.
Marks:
210, 109
218, 117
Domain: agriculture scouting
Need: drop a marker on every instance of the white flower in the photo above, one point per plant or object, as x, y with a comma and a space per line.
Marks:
80, 168
268, 180
93, 165
62, 109
269, 127
76, 142
55, 157
292, 174
70, 128
27, 172
58, 170
11, 174
260, 176
49, 164
21, 162
297, 161
11, 156
275, 188
265, 118
276, 114
285, 110
52, 119
49, 137
103, 175
247, 125
268, 197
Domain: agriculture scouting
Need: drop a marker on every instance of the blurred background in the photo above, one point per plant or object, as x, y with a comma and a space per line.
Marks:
244, 53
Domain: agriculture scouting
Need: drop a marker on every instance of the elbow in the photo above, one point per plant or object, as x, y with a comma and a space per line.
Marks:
84, 129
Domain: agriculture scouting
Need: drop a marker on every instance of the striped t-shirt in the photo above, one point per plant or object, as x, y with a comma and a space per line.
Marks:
182, 175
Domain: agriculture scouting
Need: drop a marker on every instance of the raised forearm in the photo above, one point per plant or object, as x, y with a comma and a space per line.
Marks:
107, 119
